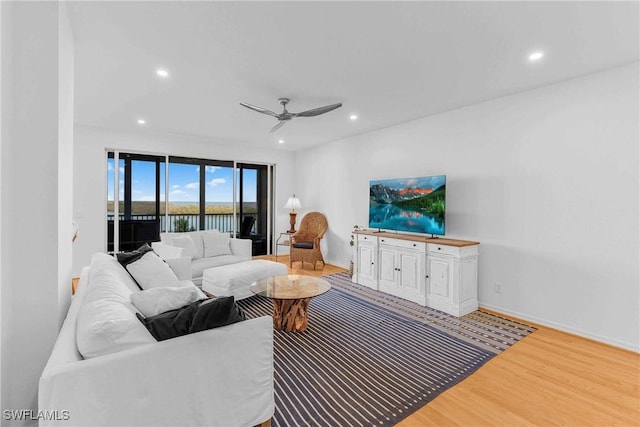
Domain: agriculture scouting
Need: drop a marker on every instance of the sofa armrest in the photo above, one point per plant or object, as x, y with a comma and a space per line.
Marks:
241, 247
181, 267
219, 377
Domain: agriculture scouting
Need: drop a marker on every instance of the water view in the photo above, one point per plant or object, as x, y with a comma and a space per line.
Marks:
390, 217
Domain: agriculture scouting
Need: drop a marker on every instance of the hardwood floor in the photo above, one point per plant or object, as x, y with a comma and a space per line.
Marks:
307, 269
549, 378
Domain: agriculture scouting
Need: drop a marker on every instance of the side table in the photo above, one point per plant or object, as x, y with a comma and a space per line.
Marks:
285, 242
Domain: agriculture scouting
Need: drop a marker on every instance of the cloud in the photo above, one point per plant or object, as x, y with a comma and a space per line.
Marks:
208, 169
216, 181
175, 187
147, 199
193, 185
110, 168
178, 193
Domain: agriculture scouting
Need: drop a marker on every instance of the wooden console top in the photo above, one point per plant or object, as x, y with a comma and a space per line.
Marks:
415, 238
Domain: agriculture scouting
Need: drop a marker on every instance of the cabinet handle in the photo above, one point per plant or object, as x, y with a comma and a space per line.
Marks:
382, 240
427, 276
371, 263
439, 248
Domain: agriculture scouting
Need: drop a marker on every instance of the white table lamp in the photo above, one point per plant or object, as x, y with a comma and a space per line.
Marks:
293, 203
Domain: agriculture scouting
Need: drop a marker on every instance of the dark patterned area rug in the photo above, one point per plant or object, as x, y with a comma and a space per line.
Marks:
369, 359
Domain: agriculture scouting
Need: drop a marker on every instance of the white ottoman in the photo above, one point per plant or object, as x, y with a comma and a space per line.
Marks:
235, 279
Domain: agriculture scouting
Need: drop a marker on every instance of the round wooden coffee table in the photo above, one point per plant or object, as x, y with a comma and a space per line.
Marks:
290, 295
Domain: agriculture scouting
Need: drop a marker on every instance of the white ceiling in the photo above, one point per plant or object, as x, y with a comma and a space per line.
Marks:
387, 62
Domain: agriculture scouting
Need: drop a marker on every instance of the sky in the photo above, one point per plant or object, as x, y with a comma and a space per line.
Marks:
434, 182
184, 183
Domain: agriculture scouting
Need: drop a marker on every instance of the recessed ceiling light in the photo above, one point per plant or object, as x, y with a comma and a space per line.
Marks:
353, 117
161, 72
142, 122
536, 56
281, 141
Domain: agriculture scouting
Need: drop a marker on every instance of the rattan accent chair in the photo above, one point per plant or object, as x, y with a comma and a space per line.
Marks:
305, 243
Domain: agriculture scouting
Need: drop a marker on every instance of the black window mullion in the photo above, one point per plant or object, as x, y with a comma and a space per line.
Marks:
127, 188
158, 192
241, 194
203, 185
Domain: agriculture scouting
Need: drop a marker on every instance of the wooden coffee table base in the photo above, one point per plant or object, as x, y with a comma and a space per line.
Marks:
290, 314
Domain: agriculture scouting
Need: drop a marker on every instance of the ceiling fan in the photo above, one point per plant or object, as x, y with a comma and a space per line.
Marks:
286, 116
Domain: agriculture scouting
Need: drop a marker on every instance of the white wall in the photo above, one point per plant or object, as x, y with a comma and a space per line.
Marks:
546, 180
90, 176
65, 161
4, 340
34, 43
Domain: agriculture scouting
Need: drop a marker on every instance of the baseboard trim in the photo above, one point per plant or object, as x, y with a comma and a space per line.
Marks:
338, 264
563, 328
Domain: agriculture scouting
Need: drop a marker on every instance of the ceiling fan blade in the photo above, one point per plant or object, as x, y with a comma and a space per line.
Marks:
259, 109
319, 110
278, 126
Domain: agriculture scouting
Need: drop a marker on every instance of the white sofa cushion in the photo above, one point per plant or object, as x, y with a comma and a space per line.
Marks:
159, 300
199, 265
150, 272
185, 242
181, 267
101, 260
216, 244
196, 236
107, 321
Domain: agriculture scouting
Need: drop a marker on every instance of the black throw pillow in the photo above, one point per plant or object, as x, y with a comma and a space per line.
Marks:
125, 258
195, 317
216, 312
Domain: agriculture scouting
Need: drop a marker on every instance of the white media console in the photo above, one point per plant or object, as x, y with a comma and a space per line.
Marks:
435, 272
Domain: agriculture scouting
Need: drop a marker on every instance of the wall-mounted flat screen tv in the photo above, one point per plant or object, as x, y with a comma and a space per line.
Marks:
415, 205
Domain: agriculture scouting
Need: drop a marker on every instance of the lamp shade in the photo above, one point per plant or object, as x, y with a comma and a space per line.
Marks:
293, 203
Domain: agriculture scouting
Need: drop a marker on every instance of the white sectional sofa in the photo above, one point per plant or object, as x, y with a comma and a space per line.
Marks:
207, 249
217, 377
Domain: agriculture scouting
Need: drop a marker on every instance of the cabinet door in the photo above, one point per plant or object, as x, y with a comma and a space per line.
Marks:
367, 261
439, 279
411, 271
387, 272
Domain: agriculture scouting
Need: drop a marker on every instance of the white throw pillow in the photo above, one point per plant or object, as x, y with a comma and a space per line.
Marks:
152, 272
216, 244
158, 300
165, 251
188, 246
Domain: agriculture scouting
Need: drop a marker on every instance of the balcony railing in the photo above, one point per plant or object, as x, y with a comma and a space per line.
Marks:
187, 222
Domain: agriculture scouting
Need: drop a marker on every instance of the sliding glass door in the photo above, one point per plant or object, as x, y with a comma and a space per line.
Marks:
140, 183
252, 205
200, 195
